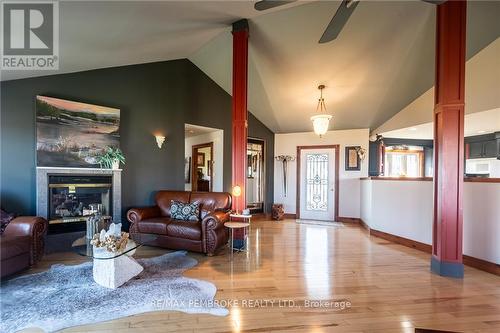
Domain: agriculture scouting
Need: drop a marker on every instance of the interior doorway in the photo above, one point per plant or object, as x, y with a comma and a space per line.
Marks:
318, 182
255, 184
202, 167
204, 159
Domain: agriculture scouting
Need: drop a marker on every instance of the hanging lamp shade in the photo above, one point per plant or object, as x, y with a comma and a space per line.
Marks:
321, 121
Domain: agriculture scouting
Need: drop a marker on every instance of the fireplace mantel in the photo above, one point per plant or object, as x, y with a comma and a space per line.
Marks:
42, 178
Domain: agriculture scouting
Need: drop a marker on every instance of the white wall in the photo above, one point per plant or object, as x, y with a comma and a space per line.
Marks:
404, 208
482, 79
217, 138
481, 226
349, 183
366, 202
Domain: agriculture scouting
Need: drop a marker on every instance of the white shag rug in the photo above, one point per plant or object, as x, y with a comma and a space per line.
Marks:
323, 223
66, 296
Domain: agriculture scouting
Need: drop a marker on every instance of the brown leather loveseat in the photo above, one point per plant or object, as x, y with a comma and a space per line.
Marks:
206, 236
22, 243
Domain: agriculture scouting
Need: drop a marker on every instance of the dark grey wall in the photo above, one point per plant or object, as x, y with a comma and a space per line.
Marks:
408, 142
210, 106
152, 97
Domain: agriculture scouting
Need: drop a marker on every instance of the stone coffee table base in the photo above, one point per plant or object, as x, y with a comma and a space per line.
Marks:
112, 269
112, 273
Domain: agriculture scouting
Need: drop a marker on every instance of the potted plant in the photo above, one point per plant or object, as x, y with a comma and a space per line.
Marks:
111, 158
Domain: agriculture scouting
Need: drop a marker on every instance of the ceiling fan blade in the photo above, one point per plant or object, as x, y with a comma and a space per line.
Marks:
268, 4
435, 2
339, 20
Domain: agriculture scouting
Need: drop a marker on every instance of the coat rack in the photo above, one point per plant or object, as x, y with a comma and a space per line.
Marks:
284, 159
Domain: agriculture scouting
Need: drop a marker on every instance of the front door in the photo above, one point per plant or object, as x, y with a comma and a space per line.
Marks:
317, 183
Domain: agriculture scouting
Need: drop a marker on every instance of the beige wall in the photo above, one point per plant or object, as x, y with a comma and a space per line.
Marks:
482, 86
349, 186
404, 208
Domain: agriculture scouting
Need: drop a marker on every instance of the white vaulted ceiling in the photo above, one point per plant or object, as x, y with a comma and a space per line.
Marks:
478, 123
99, 34
382, 60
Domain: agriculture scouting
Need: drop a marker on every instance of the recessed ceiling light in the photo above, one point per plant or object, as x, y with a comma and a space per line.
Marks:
481, 131
412, 129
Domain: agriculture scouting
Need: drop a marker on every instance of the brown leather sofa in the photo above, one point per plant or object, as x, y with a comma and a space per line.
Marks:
22, 244
206, 236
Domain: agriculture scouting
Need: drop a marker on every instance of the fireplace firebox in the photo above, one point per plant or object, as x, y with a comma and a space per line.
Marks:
72, 198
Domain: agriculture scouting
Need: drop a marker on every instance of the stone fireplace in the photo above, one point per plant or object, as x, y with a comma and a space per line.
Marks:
67, 196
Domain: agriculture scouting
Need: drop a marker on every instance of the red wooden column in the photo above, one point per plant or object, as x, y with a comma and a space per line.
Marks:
240, 117
449, 138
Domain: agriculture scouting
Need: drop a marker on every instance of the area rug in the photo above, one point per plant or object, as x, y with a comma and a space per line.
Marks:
322, 223
66, 296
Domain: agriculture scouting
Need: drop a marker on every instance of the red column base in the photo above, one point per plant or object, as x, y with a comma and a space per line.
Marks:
448, 269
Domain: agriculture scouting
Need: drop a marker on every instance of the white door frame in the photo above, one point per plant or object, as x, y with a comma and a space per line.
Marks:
298, 180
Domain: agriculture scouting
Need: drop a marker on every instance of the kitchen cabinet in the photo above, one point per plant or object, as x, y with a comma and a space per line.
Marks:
482, 146
374, 158
475, 150
490, 148
497, 137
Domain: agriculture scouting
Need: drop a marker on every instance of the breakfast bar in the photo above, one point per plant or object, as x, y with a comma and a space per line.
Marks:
403, 206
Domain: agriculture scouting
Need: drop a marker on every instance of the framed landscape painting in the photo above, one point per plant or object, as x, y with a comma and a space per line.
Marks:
73, 134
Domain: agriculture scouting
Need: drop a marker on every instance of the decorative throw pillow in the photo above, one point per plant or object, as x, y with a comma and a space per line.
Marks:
185, 211
5, 218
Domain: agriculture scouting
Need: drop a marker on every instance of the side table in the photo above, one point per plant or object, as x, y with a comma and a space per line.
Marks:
243, 218
232, 226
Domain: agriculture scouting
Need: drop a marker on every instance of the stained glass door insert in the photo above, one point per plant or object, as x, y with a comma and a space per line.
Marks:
317, 182
317, 179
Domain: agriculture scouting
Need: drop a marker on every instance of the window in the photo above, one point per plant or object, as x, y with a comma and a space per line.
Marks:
404, 161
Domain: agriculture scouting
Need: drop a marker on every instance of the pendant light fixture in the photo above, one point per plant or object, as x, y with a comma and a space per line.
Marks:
321, 121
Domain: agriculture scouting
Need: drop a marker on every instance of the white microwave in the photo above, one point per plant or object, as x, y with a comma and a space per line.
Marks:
481, 166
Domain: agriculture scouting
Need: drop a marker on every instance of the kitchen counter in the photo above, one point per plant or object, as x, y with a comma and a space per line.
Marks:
481, 180
404, 207
398, 178
429, 179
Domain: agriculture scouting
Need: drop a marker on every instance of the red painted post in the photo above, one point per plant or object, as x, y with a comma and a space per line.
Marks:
449, 138
240, 117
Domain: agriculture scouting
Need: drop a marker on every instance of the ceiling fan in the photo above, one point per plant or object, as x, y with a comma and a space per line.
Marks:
338, 21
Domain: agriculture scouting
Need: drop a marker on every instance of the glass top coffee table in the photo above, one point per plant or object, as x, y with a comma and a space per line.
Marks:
112, 269
83, 247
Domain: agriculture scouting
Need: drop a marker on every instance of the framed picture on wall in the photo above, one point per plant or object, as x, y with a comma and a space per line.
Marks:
200, 159
73, 134
187, 170
352, 160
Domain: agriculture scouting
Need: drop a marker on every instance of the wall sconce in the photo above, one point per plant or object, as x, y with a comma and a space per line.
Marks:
160, 139
361, 153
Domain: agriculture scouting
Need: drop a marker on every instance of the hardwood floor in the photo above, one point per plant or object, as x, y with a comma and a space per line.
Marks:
389, 286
